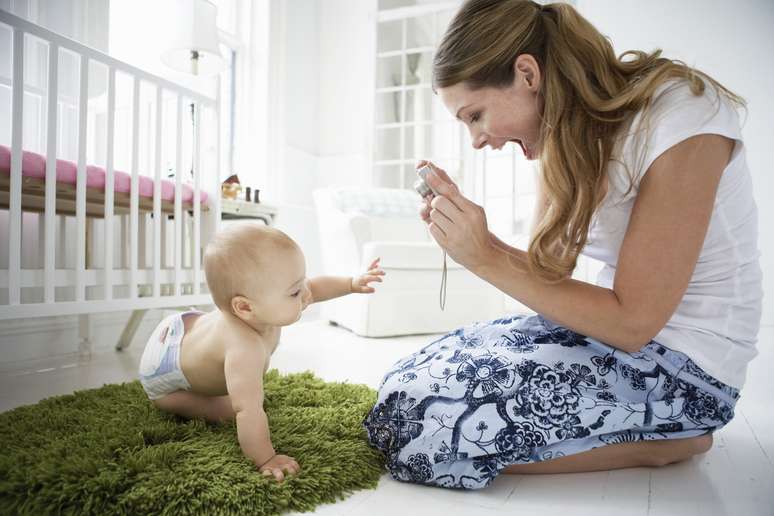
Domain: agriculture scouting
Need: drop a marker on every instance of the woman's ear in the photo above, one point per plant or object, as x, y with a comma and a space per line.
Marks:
242, 307
527, 71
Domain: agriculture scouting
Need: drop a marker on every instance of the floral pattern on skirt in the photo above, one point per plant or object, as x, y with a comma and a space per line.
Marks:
522, 389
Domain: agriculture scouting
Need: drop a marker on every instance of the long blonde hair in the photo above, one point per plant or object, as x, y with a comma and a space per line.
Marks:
588, 93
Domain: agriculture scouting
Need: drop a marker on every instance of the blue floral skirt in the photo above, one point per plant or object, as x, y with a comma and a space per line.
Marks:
521, 390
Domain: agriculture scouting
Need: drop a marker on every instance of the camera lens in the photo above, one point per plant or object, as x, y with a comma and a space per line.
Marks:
422, 188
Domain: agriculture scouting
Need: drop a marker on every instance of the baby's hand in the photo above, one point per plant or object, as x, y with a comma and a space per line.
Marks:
278, 465
360, 283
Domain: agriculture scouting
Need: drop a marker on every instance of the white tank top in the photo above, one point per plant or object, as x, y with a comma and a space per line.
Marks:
716, 323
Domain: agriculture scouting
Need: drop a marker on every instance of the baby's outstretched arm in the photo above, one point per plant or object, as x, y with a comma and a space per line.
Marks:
329, 287
244, 366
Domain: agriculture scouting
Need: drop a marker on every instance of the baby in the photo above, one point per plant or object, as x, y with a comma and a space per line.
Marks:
211, 365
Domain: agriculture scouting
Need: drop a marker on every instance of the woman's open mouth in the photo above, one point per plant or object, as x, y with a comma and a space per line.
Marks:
524, 148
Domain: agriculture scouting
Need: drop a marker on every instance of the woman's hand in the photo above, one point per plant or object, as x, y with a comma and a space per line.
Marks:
456, 223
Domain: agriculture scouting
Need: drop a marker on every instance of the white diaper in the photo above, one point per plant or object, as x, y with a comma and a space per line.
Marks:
160, 372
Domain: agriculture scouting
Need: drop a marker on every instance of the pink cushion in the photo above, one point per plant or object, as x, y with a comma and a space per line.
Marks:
34, 165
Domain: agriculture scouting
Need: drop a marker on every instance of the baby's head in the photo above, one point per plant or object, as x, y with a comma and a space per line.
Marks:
257, 273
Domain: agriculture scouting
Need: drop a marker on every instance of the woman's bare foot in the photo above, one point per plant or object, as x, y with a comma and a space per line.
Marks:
618, 456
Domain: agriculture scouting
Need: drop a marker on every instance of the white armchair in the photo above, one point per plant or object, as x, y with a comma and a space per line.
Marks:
358, 225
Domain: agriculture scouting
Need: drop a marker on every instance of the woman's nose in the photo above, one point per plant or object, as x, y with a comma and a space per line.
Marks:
477, 139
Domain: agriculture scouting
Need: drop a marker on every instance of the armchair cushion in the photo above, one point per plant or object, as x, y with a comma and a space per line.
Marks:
407, 255
376, 202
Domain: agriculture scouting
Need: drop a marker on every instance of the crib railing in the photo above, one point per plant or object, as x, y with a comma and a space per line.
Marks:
155, 286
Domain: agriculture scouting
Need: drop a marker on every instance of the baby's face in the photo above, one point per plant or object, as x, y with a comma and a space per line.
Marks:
286, 290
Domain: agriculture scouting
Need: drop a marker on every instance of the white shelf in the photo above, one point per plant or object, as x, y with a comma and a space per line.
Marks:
232, 209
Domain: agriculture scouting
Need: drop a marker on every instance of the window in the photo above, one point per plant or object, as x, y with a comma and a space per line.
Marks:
243, 132
412, 124
231, 48
410, 121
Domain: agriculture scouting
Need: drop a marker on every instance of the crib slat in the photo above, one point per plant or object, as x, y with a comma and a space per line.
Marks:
178, 197
134, 199
41, 229
123, 244
157, 200
214, 200
80, 193
110, 184
14, 205
197, 209
61, 245
164, 246
49, 248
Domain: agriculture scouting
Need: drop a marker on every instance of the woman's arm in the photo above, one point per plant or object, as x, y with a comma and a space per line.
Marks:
657, 258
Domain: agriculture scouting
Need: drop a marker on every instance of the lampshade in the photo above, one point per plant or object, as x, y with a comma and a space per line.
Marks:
193, 41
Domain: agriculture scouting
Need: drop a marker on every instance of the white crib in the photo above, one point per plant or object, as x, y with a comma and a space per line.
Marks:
132, 251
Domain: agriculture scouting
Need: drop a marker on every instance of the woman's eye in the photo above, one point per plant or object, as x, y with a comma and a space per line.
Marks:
296, 293
475, 117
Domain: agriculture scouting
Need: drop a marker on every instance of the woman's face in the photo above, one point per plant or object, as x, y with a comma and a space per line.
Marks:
496, 116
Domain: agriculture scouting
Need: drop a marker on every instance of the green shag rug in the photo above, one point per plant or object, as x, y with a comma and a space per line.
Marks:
110, 451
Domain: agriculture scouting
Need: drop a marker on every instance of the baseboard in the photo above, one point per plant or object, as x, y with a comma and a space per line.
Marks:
16, 327
38, 338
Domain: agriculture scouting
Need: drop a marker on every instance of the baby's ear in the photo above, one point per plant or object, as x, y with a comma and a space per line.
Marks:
241, 307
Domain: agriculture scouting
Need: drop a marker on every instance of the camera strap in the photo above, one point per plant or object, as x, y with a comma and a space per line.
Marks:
442, 297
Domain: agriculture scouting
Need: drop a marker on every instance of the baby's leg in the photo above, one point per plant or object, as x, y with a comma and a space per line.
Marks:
617, 456
191, 405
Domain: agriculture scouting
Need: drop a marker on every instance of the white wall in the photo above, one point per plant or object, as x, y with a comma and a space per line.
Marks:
734, 43
324, 92
327, 94
302, 72
347, 50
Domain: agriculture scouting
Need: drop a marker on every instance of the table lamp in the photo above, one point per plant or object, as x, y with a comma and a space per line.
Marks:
193, 42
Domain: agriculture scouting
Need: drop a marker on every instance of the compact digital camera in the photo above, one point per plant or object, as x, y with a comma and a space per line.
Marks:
422, 188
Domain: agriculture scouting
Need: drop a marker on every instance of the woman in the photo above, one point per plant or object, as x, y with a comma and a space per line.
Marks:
642, 166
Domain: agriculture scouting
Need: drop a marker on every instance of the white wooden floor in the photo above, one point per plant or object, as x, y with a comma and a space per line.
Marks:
735, 478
